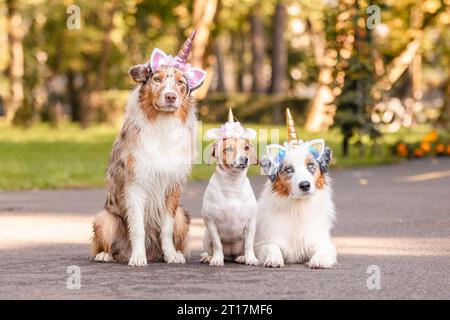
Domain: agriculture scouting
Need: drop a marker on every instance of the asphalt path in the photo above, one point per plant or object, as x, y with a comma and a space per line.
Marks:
392, 221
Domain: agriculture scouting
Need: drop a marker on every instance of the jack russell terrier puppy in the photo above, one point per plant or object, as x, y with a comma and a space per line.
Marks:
149, 165
229, 204
295, 209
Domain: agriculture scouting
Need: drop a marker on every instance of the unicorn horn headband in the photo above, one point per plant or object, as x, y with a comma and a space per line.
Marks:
230, 115
231, 129
292, 132
159, 59
183, 54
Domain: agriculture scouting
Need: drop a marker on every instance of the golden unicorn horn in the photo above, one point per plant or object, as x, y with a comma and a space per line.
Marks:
230, 115
292, 132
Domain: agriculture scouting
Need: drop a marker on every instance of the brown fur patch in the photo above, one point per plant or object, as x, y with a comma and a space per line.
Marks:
146, 99
130, 164
282, 185
181, 229
173, 200
320, 179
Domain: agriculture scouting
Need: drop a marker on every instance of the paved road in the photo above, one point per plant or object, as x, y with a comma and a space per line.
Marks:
394, 217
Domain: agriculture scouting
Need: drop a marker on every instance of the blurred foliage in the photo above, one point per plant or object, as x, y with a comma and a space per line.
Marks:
63, 66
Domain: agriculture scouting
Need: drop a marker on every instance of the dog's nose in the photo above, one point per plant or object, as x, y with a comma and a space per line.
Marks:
243, 160
304, 186
170, 97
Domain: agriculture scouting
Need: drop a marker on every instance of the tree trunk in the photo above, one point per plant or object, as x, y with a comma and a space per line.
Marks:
279, 56
16, 68
91, 97
345, 145
221, 86
204, 12
257, 33
74, 97
238, 49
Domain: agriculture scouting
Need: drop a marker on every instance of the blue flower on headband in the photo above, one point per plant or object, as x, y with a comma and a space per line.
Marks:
313, 151
280, 156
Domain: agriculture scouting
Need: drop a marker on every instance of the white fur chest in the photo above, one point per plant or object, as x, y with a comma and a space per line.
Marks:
294, 225
230, 206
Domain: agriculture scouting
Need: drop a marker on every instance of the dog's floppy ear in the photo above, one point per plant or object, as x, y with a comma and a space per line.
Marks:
139, 73
325, 159
210, 153
269, 169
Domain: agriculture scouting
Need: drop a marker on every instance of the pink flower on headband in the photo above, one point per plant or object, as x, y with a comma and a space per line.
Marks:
231, 130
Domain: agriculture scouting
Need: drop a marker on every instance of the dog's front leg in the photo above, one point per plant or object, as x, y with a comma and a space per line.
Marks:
324, 255
170, 253
217, 257
271, 255
249, 254
135, 203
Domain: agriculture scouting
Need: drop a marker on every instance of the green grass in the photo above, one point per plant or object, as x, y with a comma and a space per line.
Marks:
43, 157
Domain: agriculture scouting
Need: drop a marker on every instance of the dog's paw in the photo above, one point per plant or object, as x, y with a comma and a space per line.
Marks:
137, 260
274, 262
321, 261
176, 257
103, 257
216, 261
249, 261
205, 258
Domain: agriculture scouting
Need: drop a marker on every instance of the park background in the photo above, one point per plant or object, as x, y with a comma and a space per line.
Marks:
377, 88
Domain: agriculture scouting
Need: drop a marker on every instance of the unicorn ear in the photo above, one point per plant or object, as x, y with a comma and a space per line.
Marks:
157, 59
195, 77
213, 133
316, 147
250, 133
275, 153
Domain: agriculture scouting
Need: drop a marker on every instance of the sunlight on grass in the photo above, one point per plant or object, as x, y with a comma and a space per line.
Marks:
70, 157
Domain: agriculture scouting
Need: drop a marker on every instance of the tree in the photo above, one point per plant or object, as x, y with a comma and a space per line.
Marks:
279, 55
16, 59
258, 51
204, 12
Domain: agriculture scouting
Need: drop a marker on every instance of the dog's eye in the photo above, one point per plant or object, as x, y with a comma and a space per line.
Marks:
289, 169
311, 165
157, 79
180, 82
247, 148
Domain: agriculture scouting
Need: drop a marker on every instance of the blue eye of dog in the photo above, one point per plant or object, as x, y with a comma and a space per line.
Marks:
311, 165
289, 169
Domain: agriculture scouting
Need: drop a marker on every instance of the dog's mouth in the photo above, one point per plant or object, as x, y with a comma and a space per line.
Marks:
166, 108
240, 166
302, 195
